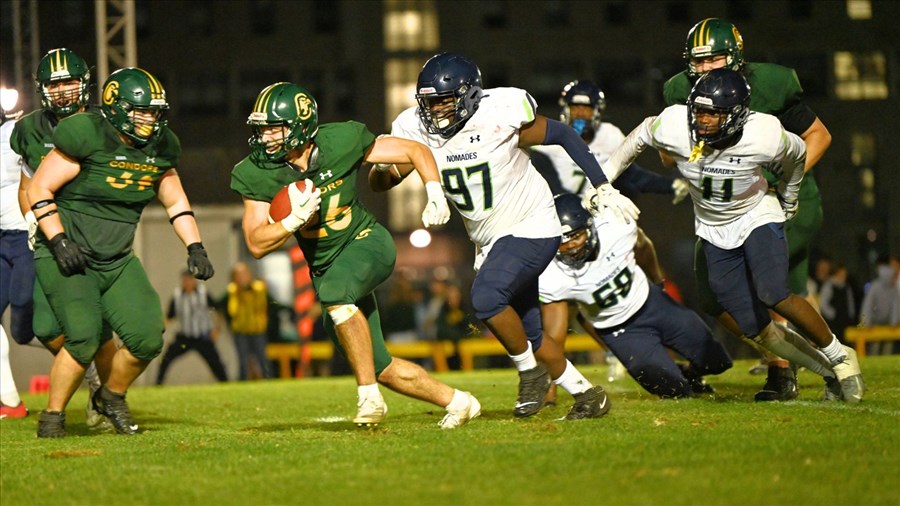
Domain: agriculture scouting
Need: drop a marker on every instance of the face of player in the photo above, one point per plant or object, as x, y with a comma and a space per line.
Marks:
63, 93
273, 137
573, 242
703, 65
584, 112
443, 111
144, 120
709, 122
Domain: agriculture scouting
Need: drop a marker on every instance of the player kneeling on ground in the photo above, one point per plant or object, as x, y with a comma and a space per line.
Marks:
637, 321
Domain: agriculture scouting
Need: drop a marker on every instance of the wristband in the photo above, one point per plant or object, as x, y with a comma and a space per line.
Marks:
179, 215
50, 213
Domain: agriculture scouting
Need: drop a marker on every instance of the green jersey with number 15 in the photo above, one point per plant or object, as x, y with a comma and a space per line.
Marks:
336, 158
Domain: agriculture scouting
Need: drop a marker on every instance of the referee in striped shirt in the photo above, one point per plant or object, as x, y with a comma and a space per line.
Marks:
192, 307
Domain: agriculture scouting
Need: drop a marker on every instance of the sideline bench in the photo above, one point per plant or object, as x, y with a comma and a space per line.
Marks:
473, 347
862, 335
283, 353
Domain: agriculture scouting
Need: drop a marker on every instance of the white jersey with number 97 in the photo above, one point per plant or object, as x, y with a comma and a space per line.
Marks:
487, 177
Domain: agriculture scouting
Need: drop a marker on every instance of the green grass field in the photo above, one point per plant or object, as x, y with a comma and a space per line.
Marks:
291, 442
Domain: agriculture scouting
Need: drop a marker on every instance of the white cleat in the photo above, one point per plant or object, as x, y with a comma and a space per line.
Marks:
454, 419
848, 373
370, 412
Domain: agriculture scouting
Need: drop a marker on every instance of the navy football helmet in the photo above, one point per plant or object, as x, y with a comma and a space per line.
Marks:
587, 93
575, 219
723, 92
448, 75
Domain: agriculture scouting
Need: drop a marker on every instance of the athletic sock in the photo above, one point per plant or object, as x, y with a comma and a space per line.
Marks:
834, 351
572, 381
459, 401
788, 344
368, 391
9, 394
525, 361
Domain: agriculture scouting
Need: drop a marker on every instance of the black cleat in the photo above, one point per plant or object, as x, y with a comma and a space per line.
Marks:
592, 403
698, 385
533, 387
781, 385
51, 424
113, 406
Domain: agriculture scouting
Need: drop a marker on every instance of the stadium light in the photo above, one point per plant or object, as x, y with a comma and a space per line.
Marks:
8, 98
420, 238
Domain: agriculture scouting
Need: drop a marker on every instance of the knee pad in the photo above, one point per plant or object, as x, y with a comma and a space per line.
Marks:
147, 349
20, 324
342, 313
488, 303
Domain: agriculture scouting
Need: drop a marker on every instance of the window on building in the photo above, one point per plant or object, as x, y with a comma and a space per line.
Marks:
556, 13
863, 155
410, 26
859, 9
800, 9
204, 93
493, 14
860, 76
326, 16
263, 17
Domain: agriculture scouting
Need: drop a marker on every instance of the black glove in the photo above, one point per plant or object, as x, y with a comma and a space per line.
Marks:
198, 263
67, 255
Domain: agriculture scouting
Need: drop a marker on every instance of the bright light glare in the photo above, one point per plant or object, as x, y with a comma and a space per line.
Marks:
8, 98
420, 238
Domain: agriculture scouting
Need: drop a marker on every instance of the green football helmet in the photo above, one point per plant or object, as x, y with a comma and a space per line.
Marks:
287, 105
133, 89
712, 37
63, 65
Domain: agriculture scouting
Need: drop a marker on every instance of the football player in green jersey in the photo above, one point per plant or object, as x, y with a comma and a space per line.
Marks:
715, 43
87, 196
349, 253
63, 83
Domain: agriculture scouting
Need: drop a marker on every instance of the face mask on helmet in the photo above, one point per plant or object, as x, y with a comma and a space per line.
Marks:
581, 107
711, 38
718, 106
448, 92
284, 118
134, 102
63, 80
579, 240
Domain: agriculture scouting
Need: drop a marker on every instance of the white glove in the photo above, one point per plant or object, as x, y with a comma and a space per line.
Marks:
436, 212
303, 205
681, 189
607, 197
32, 228
788, 196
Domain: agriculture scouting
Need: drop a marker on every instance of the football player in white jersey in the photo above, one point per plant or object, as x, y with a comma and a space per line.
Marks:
598, 267
721, 150
16, 260
581, 106
479, 138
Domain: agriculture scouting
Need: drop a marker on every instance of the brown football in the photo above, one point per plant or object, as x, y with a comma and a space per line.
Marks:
280, 206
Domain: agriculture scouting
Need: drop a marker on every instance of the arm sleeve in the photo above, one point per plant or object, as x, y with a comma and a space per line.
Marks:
642, 180
797, 118
628, 151
546, 169
563, 135
792, 154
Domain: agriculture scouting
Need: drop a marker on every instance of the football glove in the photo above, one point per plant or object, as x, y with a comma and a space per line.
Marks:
67, 255
303, 205
436, 212
607, 197
681, 189
198, 263
788, 196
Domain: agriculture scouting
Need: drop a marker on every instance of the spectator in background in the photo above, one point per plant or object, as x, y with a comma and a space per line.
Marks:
193, 307
838, 301
399, 322
452, 322
247, 307
432, 309
880, 304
